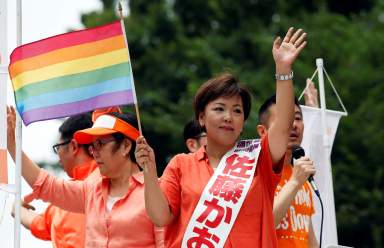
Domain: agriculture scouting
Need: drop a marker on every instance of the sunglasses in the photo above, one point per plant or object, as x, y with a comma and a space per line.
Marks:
97, 144
56, 146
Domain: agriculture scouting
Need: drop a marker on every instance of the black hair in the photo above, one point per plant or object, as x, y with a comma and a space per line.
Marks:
119, 137
73, 124
264, 109
224, 85
192, 130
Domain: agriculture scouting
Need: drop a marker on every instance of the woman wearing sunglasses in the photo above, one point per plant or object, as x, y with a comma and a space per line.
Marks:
114, 205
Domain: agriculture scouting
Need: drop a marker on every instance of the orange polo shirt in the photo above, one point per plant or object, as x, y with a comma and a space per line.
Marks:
126, 225
65, 229
184, 180
293, 229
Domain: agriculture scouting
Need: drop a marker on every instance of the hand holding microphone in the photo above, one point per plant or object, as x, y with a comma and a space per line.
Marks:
304, 168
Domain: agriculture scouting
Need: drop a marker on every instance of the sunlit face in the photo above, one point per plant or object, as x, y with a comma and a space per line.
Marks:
223, 119
107, 160
296, 135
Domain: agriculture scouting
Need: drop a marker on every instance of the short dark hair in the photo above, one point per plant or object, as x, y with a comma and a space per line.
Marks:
192, 130
264, 109
119, 137
73, 124
224, 85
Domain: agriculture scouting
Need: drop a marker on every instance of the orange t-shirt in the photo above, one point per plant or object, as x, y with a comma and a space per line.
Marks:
293, 229
184, 180
65, 229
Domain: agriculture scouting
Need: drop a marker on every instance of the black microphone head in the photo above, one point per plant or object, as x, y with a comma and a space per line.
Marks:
297, 152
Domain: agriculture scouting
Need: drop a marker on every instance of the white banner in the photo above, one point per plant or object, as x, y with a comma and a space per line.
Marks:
319, 148
3, 92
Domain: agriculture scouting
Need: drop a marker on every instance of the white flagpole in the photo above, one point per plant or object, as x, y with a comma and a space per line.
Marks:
120, 11
3, 76
18, 139
330, 228
3, 71
323, 105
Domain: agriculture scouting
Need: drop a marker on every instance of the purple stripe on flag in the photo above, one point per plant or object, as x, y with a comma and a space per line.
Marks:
68, 109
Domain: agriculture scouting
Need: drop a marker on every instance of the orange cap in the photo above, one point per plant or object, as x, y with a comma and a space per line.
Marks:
104, 125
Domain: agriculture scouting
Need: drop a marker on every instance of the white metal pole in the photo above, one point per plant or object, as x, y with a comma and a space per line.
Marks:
330, 234
3, 75
3, 72
18, 139
323, 105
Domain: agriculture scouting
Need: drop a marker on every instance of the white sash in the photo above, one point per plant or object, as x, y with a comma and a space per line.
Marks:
222, 197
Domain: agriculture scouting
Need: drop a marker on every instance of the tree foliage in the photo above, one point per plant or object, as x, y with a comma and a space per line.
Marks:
176, 45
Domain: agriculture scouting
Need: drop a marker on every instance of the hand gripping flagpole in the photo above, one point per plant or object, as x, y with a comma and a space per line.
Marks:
120, 11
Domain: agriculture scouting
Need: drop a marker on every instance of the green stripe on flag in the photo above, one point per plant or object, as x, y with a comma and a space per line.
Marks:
73, 81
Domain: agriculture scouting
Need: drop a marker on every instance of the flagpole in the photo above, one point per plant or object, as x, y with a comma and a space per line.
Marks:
18, 140
323, 105
330, 235
3, 95
120, 10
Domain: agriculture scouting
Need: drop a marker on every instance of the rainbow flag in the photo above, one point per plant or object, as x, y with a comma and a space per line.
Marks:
72, 73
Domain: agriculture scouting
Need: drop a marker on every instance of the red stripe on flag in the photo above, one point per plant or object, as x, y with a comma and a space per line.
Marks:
65, 40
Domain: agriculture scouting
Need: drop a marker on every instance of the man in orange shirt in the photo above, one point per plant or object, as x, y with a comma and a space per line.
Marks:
293, 205
65, 229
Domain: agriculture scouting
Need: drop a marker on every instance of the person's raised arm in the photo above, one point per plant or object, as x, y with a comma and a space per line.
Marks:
284, 53
156, 203
30, 170
68, 195
311, 95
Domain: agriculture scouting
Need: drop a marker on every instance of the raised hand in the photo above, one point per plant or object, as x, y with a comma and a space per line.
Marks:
145, 156
311, 95
11, 124
286, 51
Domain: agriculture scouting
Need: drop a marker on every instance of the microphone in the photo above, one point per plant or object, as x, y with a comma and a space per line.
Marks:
298, 152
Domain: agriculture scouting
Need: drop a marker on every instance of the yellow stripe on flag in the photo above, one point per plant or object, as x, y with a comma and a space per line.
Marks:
70, 67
